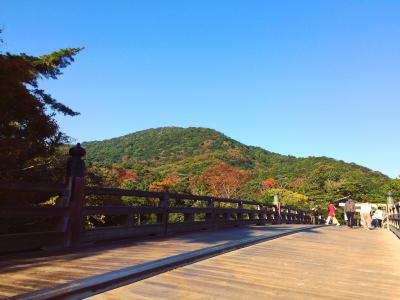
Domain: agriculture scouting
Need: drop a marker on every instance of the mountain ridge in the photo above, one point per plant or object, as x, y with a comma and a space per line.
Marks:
189, 152
250, 146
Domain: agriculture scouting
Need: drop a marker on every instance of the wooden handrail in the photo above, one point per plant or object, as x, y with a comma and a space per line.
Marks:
73, 211
150, 194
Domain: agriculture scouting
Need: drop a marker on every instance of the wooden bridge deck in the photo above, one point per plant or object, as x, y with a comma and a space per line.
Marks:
28, 272
328, 262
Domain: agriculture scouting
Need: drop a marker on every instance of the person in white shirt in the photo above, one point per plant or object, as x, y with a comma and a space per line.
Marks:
377, 218
365, 213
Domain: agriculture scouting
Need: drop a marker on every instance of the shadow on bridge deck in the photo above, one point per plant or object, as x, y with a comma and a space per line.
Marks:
31, 271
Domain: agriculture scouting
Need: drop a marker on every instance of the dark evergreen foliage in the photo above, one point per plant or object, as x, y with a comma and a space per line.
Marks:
27, 126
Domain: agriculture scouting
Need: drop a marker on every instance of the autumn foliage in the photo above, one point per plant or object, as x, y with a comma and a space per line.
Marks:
224, 181
269, 183
165, 185
124, 175
298, 182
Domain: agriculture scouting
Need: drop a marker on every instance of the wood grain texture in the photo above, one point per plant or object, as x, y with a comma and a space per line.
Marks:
329, 263
27, 272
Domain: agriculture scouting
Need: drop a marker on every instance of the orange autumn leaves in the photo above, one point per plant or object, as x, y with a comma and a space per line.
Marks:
165, 185
124, 175
224, 181
220, 180
269, 183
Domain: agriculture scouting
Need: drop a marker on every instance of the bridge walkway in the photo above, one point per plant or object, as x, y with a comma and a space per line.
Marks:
28, 272
325, 263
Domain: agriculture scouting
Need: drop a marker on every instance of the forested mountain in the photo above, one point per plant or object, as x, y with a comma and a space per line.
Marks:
204, 161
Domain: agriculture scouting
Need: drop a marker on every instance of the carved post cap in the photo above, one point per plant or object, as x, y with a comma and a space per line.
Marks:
75, 165
77, 151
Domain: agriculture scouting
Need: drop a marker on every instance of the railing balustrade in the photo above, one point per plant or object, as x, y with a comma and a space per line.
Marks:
394, 218
76, 213
159, 213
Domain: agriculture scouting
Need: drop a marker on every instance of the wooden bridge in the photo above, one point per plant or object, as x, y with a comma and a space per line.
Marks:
166, 246
260, 262
235, 249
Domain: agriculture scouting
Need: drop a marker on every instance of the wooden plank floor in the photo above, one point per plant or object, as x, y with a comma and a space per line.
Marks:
27, 272
328, 263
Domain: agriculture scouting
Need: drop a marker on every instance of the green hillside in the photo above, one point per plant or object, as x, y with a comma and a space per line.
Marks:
182, 159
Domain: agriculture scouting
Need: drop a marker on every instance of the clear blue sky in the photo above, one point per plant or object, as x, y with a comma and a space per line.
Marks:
306, 78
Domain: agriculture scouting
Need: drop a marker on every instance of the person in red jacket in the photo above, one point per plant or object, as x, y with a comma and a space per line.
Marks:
331, 214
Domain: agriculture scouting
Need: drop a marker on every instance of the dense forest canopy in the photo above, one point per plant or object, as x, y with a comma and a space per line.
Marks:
204, 161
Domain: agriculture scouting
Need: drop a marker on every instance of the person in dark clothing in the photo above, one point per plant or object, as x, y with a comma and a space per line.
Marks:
315, 214
350, 209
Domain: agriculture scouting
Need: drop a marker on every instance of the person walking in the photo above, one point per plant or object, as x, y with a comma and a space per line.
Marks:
277, 204
332, 214
365, 213
377, 218
350, 209
316, 215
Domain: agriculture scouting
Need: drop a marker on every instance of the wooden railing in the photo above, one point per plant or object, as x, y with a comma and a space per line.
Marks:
394, 218
163, 213
28, 215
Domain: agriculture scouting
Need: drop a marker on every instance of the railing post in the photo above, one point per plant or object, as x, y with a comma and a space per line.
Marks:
277, 214
188, 217
252, 218
210, 217
296, 217
226, 216
163, 218
64, 201
240, 214
76, 181
262, 220
270, 215
285, 216
129, 220
77, 201
393, 218
289, 216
